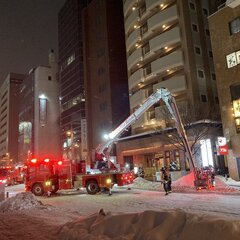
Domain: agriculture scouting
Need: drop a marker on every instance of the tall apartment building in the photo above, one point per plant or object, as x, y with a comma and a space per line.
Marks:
39, 114
9, 110
167, 45
106, 85
71, 77
225, 35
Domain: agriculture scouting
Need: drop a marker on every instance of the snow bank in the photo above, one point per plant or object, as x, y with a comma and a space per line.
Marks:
21, 201
187, 180
142, 183
154, 225
183, 184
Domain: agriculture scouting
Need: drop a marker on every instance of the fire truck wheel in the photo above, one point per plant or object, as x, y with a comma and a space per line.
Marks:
92, 187
37, 189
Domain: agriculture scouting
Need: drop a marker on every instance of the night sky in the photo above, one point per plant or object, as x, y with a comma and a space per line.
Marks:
28, 30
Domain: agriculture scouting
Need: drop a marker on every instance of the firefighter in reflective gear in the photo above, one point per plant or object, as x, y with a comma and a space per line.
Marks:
166, 180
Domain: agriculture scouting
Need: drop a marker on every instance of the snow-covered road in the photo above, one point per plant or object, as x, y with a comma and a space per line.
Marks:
137, 200
194, 215
124, 200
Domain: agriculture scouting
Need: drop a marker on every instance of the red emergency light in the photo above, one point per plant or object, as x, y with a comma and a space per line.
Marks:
34, 160
60, 163
46, 160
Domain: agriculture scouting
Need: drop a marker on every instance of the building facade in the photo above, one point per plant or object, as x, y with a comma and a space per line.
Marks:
9, 110
106, 85
168, 45
71, 78
225, 36
39, 115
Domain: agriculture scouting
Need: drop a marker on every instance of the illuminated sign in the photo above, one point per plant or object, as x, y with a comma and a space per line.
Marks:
222, 148
84, 139
233, 59
236, 111
42, 111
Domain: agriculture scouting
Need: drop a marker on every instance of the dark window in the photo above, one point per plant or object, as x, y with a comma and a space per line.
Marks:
234, 26
142, 9
213, 76
192, 6
197, 50
203, 98
205, 11
210, 54
235, 92
49, 78
144, 28
148, 69
216, 100
194, 27
207, 32
146, 48
200, 73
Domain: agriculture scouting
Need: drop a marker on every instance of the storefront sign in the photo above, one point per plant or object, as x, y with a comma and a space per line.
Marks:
222, 148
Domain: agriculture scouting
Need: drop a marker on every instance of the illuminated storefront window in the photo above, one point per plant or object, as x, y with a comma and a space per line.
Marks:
236, 112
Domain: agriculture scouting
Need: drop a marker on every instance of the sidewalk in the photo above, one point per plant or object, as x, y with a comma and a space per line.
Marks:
229, 181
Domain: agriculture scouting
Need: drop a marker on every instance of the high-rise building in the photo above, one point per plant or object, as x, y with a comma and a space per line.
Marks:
9, 110
106, 84
71, 77
167, 45
225, 36
39, 114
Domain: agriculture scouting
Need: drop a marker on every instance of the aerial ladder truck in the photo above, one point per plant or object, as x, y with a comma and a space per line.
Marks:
170, 102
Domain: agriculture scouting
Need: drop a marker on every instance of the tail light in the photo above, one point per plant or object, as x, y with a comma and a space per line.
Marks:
60, 163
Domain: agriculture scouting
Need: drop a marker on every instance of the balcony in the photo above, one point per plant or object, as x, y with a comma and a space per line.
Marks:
172, 60
153, 3
163, 17
133, 18
174, 84
135, 79
141, 121
134, 58
138, 98
127, 6
165, 39
134, 37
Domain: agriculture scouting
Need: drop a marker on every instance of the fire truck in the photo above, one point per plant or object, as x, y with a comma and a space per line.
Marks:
47, 175
11, 175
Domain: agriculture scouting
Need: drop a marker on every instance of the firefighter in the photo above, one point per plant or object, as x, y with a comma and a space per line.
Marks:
166, 180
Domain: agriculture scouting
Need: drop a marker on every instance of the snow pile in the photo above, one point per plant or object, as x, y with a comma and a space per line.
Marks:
142, 183
187, 180
154, 225
22, 201
183, 184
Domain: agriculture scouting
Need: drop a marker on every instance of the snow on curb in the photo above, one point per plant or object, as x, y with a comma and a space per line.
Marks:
183, 185
21, 201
